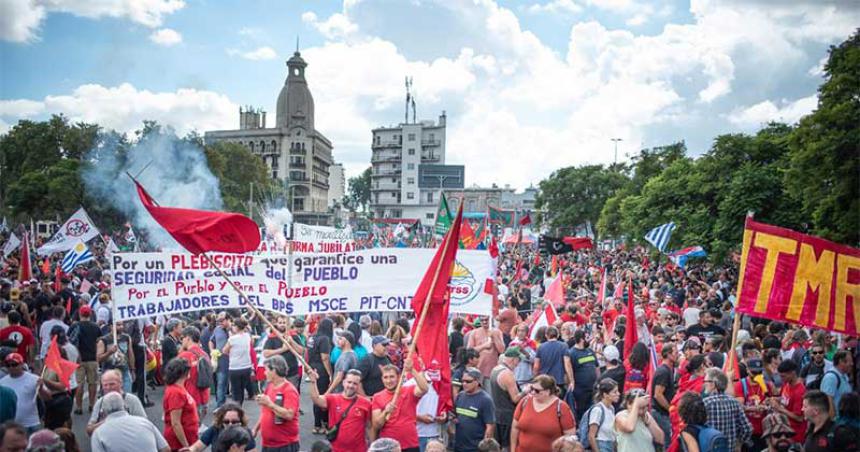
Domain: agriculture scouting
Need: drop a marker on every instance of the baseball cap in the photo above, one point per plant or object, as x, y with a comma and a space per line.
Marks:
14, 358
477, 322
380, 340
610, 352
364, 321
775, 423
755, 365
474, 373
514, 352
86, 311
348, 336
298, 323
692, 342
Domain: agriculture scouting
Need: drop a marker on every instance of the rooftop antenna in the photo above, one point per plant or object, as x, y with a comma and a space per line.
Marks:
297, 43
408, 99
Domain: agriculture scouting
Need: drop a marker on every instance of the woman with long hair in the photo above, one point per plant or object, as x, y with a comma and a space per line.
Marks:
319, 358
601, 434
693, 413
541, 417
397, 347
240, 369
636, 368
229, 415
635, 429
180, 411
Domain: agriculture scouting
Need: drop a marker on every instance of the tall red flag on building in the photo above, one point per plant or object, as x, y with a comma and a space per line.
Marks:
25, 268
201, 231
54, 361
631, 335
431, 341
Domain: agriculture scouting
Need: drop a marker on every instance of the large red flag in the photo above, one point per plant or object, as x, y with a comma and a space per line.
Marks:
555, 292
467, 236
25, 269
631, 335
201, 231
431, 341
54, 361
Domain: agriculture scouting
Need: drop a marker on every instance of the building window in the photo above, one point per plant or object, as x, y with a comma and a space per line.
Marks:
393, 180
410, 166
251, 146
274, 146
274, 174
411, 137
429, 196
432, 137
411, 151
410, 181
428, 215
410, 195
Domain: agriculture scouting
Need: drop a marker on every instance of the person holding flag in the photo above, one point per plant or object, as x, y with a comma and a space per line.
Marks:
396, 418
58, 378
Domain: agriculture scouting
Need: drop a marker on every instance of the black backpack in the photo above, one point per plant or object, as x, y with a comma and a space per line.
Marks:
204, 371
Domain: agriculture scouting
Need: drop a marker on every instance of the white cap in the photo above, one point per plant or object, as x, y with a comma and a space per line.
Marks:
610, 352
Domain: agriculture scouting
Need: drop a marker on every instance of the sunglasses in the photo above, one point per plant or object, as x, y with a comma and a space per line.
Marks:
231, 422
467, 381
782, 435
817, 353
535, 390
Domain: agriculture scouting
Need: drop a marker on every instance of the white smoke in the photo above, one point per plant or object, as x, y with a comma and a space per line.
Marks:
275, 221
176, 175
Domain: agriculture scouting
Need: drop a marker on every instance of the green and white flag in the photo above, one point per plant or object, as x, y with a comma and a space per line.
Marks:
443, 217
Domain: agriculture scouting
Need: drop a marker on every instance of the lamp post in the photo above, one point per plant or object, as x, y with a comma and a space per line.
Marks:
616, 140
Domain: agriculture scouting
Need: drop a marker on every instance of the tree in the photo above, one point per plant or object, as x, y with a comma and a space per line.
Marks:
573, 195
358, 193
824, 169
237, 168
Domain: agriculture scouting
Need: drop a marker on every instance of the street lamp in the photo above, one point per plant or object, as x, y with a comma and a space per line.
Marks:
616, 140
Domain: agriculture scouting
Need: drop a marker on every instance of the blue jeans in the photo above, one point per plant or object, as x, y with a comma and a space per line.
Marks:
606, 446
221, 380
126, 382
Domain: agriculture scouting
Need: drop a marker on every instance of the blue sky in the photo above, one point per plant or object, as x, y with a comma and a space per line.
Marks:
529, 86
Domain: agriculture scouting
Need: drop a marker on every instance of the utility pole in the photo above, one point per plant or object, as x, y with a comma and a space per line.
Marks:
251, 202
616, 140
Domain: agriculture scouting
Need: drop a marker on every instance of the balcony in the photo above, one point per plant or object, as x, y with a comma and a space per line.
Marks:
298, 165
433, 142
387, 144
430, 158
386, 187
385, 158
386, 173
320, 183
298, 151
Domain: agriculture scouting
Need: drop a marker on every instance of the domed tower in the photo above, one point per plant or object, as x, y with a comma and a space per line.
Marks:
295, 103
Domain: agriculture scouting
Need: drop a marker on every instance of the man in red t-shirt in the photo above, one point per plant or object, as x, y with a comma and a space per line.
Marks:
279, 407
790, 402
752, 396
347, 410
397, 420
192, 352
21, 336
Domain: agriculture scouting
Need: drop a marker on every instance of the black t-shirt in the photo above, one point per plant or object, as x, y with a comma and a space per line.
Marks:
319, 345
665, 377
705, 331
88, 338
274, 343
169, 349
616, 374
584, 364
371, 373
455, 342
821, 440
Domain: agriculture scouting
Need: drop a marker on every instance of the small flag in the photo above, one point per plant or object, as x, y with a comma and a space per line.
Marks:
554, 245
80, 254
4, 226
631, 333
681, 256
54, 361
443, 217
601, 294
111, 247
659, 236
25, 269
526, 219
547, 317
555, 292
11, 245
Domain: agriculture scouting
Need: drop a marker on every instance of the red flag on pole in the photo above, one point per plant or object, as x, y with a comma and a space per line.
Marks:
201, 231
431, 340
526, 219
555, 292
58, 275
631, 335
25, 269
54, 361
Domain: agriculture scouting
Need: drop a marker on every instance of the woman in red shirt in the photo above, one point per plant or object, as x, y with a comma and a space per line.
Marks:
180, 410
541, 417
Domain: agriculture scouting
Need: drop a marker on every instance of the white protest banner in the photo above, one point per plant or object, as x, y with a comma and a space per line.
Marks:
321, 239
11, 245
77, 228
379, 279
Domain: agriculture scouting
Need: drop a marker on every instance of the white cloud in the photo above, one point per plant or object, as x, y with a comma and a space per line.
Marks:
556, 6
766, 111
336, 26
20, 19
166, 37
818, 69
124, 108
260, 53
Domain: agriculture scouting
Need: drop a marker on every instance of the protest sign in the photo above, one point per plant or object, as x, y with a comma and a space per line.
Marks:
794, 277
379, 279
321, 239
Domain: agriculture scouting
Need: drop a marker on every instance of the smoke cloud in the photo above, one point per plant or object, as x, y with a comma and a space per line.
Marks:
177, 175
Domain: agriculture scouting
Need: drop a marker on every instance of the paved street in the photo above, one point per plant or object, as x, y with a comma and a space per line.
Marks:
155, 414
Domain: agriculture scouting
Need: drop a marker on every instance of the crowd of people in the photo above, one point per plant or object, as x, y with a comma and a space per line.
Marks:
568, 385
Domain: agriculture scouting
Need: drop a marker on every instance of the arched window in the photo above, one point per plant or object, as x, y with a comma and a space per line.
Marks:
274, 146
251, 146
262, 146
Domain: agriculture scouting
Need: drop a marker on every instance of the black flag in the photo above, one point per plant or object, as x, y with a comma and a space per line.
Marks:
554, 245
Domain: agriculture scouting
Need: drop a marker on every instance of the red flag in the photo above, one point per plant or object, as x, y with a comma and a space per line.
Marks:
554, 265
494, 248
58, 274
601, 294
467, 236
200, 231
526, 219
555, 293
578, 243
547, 317
46, 266
54, 361
25, 269
631, 335
431, 341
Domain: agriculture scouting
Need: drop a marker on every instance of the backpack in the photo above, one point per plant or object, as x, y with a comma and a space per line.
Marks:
204, 372
582, 430
838, 379
709, 439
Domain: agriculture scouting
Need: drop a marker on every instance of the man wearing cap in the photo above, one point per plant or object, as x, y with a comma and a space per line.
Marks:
475, 413
752, 396
25, 385
88, 334
346, 361
396, 419
505, 393
371, 367
614, 369
777, 433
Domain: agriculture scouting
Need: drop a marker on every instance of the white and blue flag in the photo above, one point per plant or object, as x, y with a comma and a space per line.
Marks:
78, 255
659, 236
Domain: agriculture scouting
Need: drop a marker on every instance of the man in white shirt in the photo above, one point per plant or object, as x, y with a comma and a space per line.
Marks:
429, 425
121, 432
25, 385
55, 318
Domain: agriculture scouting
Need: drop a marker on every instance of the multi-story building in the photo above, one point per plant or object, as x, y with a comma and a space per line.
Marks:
409, 170
475, 199
294, 151
336, 184
511, 200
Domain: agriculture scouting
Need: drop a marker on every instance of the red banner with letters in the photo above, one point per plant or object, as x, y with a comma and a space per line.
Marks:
794, 277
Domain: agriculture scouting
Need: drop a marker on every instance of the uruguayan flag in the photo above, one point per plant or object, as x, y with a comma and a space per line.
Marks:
659, 236
79, 254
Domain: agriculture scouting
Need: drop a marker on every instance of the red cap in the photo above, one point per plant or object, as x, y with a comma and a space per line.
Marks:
86, 311
14, 358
